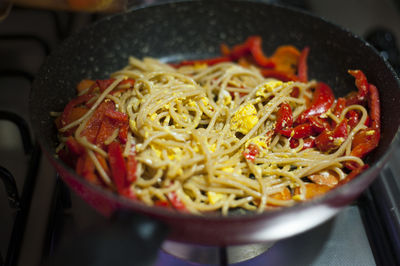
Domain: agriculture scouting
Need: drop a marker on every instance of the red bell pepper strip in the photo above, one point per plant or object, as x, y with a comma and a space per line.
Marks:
103, 162
282, 76
84, 84
71, 105
124, 85
85, 167
252, 46
313, 190
123, 132
93, 125
76, 113
240, 50
302, 131
129, 193
374, 108
294, 143
121, 120
302, 70
104, 84
368, 122
225, 50
339, 107
251, 152
355, 172
74, 147
321, 102
111, 121
307, 143
79, 164
368, 139
353, 118
364, 141
130, 82
329, 140
116, 115
107, 128
295, 92
175, 201
318, 124
284, 117
286, 59
362, 86
117, 165
131, 166
258, 54
161, 203
100, 84
299, 132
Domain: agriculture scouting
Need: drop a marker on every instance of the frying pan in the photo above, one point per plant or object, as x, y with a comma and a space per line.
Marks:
195, 29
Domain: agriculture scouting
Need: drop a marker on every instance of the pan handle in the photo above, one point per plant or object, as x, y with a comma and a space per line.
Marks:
129, 239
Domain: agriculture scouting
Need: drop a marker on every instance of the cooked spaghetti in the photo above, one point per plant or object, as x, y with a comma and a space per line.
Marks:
219, 134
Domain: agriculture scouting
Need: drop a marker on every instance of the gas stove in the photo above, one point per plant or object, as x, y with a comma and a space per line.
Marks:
39, 212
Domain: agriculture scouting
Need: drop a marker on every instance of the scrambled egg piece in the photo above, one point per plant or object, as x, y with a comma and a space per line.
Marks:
156, 150
196, 148
132, 124
338, 141
192, 103
173, 154
370, 132
227, 98
153, 116
206, 103
297, 198
204, 100
200, 66
244, 119
261, 141
228, 169
271, 86
232, 170
212, 147
214, 197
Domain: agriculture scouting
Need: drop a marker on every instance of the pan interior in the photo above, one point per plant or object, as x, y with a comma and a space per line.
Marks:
195, 29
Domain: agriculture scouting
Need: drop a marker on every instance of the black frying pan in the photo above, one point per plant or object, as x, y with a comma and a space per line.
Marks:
195, 29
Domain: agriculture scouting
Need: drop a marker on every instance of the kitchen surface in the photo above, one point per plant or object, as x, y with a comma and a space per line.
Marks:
38, 212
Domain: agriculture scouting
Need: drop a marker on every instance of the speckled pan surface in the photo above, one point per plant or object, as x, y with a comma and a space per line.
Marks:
195, 29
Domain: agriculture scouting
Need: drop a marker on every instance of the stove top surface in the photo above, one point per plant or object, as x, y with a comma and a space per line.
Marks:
50, 213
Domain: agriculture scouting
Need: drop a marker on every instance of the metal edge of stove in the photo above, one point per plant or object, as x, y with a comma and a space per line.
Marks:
380, 210
22, 204
379, 206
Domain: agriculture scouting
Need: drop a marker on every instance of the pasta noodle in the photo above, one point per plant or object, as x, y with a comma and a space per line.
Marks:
204, 138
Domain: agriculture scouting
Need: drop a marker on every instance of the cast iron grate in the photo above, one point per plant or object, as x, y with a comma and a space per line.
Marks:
20, 202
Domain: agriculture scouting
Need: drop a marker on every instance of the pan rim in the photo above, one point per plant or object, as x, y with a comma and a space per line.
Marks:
157, 211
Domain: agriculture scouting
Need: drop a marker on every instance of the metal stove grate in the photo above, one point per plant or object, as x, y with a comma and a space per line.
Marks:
20, 203
379, 205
